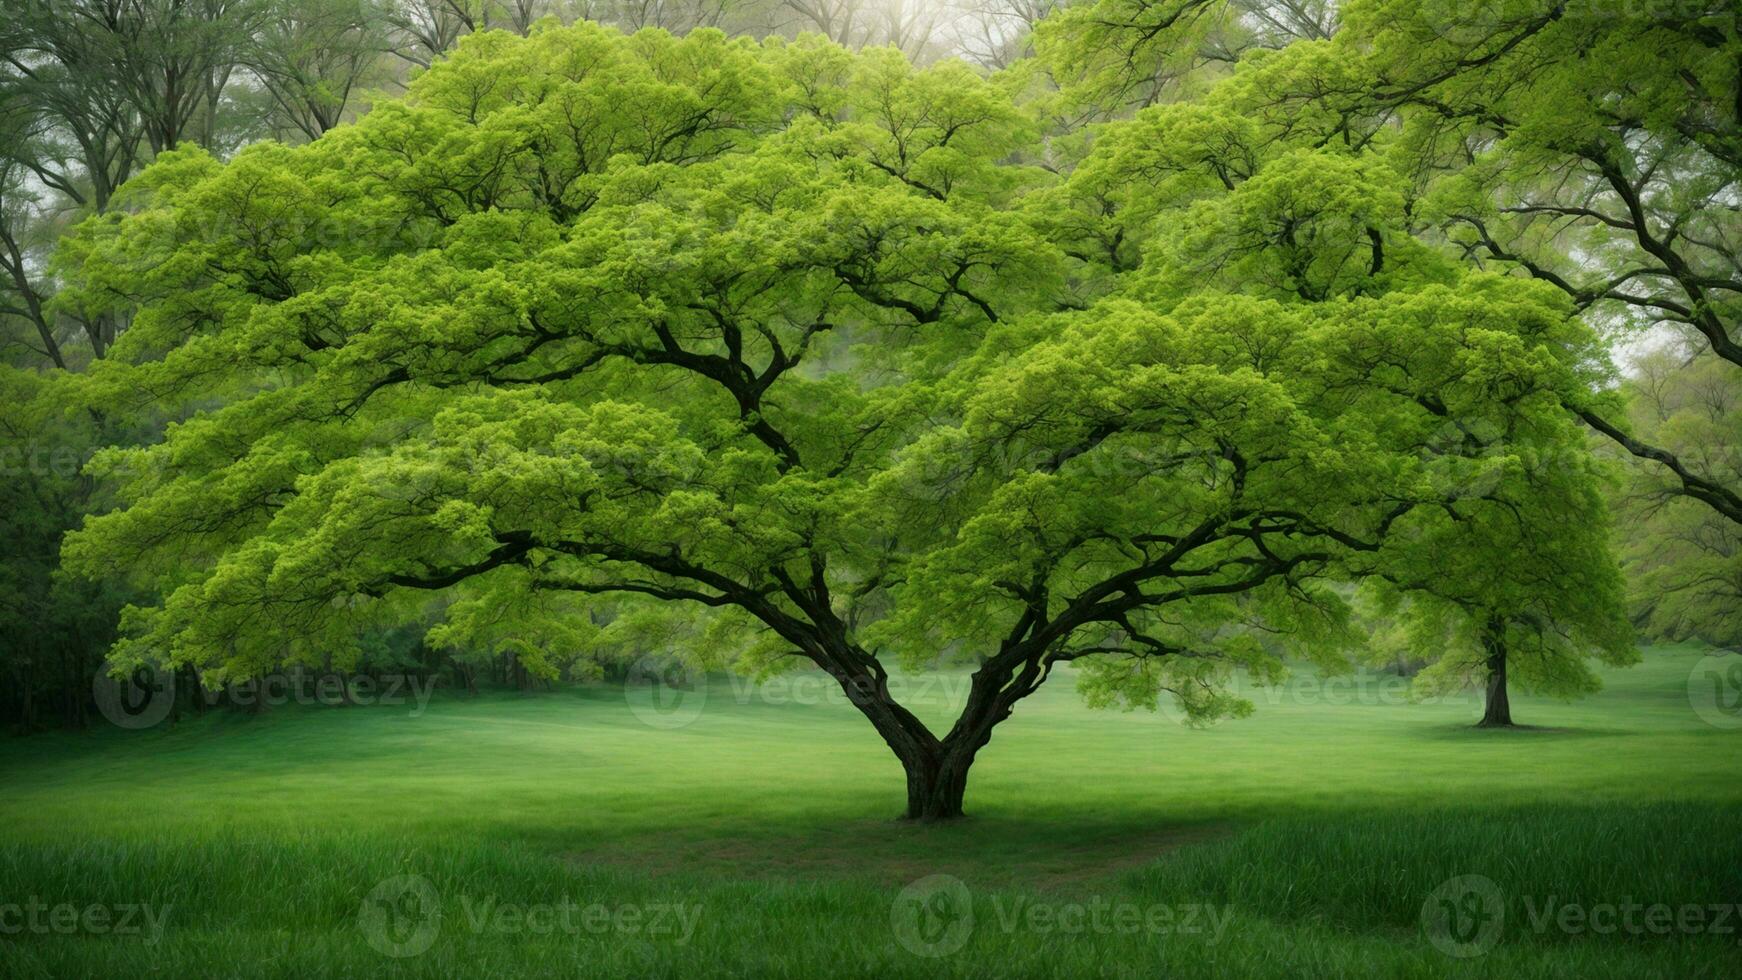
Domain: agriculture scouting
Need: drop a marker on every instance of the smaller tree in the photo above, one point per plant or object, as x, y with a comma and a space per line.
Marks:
1516, 584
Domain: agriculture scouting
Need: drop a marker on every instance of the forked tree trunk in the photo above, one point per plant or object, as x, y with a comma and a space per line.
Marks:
1498, 713
936, 786
937, 773
937, 768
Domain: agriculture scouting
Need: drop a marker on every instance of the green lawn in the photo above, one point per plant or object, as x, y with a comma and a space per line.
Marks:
758, 839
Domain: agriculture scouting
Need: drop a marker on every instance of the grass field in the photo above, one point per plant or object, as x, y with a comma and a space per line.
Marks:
561, 833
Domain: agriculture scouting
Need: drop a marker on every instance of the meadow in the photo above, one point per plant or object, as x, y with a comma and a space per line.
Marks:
744, 830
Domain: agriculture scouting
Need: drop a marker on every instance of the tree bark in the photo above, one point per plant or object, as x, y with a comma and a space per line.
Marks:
937, 772
1498, 713
936, 768
937, 784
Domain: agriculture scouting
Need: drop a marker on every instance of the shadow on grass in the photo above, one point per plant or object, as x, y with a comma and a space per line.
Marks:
992, 851
1472, 733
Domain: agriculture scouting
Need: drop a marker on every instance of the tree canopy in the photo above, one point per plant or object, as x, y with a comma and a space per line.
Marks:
812, 345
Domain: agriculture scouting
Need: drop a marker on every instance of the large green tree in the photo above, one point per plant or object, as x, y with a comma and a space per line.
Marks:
775, 336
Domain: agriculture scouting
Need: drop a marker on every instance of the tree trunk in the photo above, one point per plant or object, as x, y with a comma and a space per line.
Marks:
936, 787
1498, 713
937, 775
936, 768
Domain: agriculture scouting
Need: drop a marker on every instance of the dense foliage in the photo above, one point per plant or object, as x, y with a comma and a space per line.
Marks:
795, 339
1144, 354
